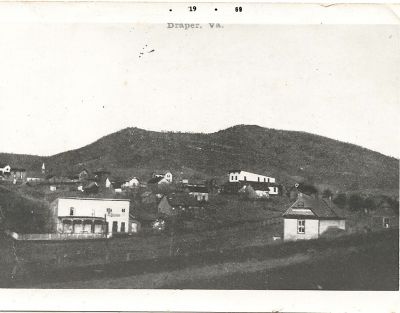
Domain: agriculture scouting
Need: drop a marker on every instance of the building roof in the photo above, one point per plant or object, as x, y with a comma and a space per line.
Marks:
313, 208
155, 180
96, 199
197, 188
2, 165
18, 169
117, 183
101, 171
384, 209
181, 199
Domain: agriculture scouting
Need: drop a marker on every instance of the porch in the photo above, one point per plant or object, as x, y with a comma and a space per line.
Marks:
82, 225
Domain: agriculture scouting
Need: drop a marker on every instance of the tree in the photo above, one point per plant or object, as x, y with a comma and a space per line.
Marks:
308, 189
340, 200
369, 203
327, 193
355, 202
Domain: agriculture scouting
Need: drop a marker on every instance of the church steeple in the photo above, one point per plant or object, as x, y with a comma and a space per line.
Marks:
43, 169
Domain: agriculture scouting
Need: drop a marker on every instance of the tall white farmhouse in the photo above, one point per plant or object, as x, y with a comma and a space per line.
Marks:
308, 218
242, 176
90, 215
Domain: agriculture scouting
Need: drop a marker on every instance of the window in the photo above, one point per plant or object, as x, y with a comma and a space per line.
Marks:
258, 178
123, 210
235, 177
264, 180
122, 226
245, 178
301, 226
71, 211
300, 204
386, 222
109, 211
268, 180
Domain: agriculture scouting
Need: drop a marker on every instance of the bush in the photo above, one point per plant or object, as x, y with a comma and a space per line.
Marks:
333, 232
355, 202
340, 200
327, 193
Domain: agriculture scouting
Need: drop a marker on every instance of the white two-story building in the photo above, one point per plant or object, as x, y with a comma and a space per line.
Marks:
90, 215
243, 176
260, 183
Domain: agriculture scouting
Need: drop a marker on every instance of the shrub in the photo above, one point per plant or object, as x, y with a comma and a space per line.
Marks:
340, 200
355, 202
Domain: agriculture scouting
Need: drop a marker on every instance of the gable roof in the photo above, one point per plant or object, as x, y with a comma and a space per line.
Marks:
181, 199
101, 171
308, 207
155, 180
197, 188
384, 209
117, 183
18, 169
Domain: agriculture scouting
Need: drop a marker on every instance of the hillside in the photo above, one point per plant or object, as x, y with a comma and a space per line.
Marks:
288, 155
29, 162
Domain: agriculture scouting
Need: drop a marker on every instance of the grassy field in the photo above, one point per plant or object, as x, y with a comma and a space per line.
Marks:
212, 261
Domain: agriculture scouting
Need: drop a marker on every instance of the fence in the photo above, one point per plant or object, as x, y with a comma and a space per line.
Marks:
56, 236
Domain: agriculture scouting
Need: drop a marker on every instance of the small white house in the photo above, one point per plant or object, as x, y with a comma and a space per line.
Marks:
5, 169
243, 176
159, 179
131, 182
308, 218
166, 175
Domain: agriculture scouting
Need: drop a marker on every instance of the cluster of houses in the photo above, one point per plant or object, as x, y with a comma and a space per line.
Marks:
307, 218
12, 174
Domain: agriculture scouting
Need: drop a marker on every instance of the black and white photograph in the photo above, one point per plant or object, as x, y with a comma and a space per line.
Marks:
197, 153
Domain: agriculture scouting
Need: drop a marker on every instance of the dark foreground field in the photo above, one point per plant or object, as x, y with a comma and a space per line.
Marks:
355, 262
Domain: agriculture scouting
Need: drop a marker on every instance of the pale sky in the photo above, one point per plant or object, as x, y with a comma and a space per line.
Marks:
63, 86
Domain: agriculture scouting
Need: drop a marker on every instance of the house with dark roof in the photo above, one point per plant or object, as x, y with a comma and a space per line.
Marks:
12, 173
309, 217
177, 203
384, 216
157, 180
199, 192
262, 187
131, 182
249, 192
160, 178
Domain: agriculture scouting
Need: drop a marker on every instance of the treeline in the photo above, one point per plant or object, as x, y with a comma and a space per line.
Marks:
351, 201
